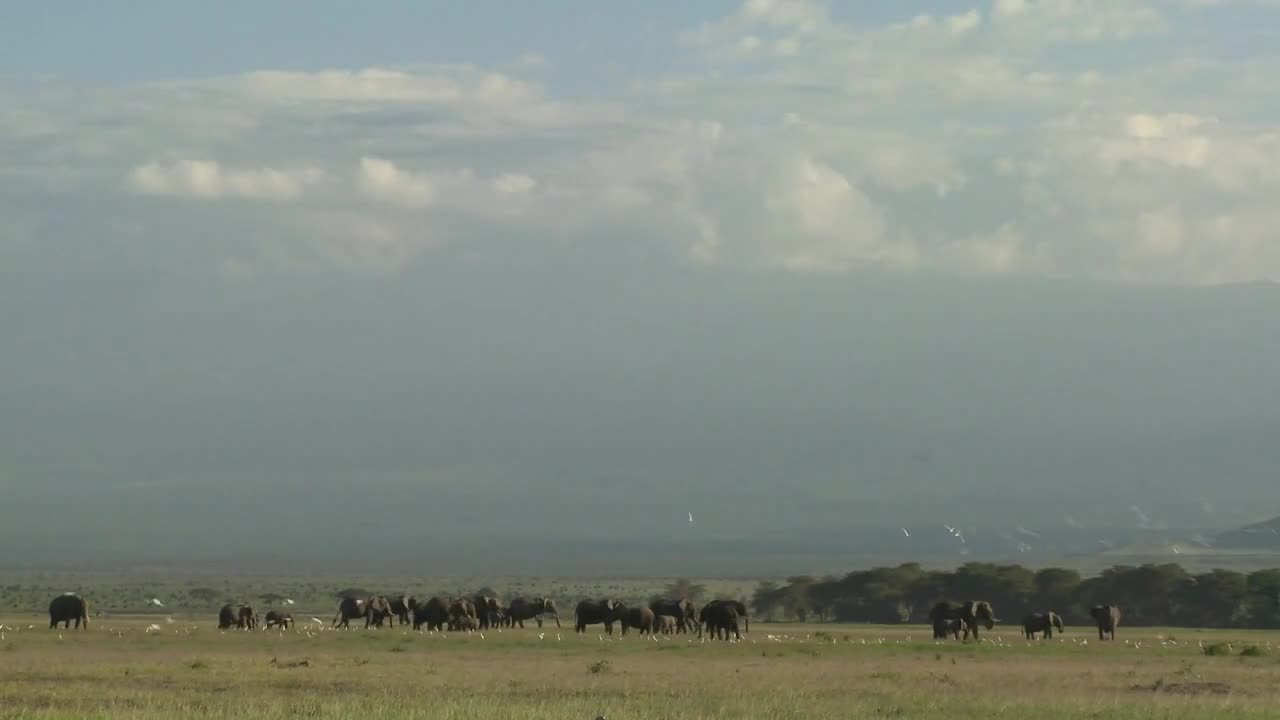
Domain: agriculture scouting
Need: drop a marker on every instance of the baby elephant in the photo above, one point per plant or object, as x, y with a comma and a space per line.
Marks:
943, 627
666, 624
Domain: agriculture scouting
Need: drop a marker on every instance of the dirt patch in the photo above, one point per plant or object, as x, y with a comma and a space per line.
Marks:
1185, 688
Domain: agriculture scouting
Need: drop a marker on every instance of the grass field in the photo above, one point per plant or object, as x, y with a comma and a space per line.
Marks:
148, 667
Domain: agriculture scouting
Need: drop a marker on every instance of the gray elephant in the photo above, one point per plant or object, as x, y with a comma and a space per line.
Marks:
738, 607
972, 612
667, 625
401, 607
242, 617
461, 612
599, 612
66, 608
720, 619
641, 619
531, 609
374, 610
278, 618
1107, 617
463, 623
943, 627
433, 613
1043, 623
682, 610
489, 611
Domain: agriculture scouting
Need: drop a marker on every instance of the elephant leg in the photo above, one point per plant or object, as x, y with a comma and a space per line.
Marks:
557, 619
539, 619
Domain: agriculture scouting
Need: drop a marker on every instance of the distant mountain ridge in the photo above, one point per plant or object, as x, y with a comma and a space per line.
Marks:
1263, 535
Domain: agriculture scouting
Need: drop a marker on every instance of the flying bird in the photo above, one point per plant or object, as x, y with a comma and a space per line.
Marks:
690, 517
904, 532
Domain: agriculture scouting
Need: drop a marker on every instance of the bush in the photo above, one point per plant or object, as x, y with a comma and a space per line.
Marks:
1217, 649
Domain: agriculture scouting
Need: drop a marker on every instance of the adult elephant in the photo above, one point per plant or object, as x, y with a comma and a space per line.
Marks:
279, 618
531, 609
591, 612
1107, 617
241, 617
374, 610
682, 610
461, 614
972, 612
433, 613
1043, 623
720, 619
641, 619
489, 611
401, 607
738, 607
65, 608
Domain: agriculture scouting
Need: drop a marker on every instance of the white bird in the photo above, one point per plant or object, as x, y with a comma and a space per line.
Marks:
156, 602
287, 601
904, 532
690, 517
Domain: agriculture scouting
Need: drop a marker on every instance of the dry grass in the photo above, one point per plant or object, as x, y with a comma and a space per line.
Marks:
190, 669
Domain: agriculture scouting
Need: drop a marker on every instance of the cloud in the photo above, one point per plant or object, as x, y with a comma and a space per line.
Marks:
1045, 137
448, 85
381, 180
208, 179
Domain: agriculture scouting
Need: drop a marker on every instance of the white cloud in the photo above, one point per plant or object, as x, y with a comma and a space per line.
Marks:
795, 136
208, 179
514, 183
381, 180
446, 85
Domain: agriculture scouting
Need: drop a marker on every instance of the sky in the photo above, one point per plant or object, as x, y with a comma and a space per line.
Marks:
795, 263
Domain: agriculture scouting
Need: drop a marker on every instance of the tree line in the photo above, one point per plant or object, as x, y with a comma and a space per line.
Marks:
1162, 594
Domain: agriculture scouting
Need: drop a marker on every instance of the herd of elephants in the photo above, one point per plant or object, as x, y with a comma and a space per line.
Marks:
721, 619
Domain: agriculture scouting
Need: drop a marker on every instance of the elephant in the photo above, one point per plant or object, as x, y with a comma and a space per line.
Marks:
401, 606
682, 610
641, 619
667, 625
433, 613
489, 611
374, 611
943, 627
1107, 617
279, 618
594, 613
720, 619
533, 609
460, 611
972, 612
738, 607
65, 608
242, 617
461, 623
1044, 623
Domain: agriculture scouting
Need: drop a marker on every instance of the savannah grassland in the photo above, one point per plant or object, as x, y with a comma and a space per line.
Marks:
189, 669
